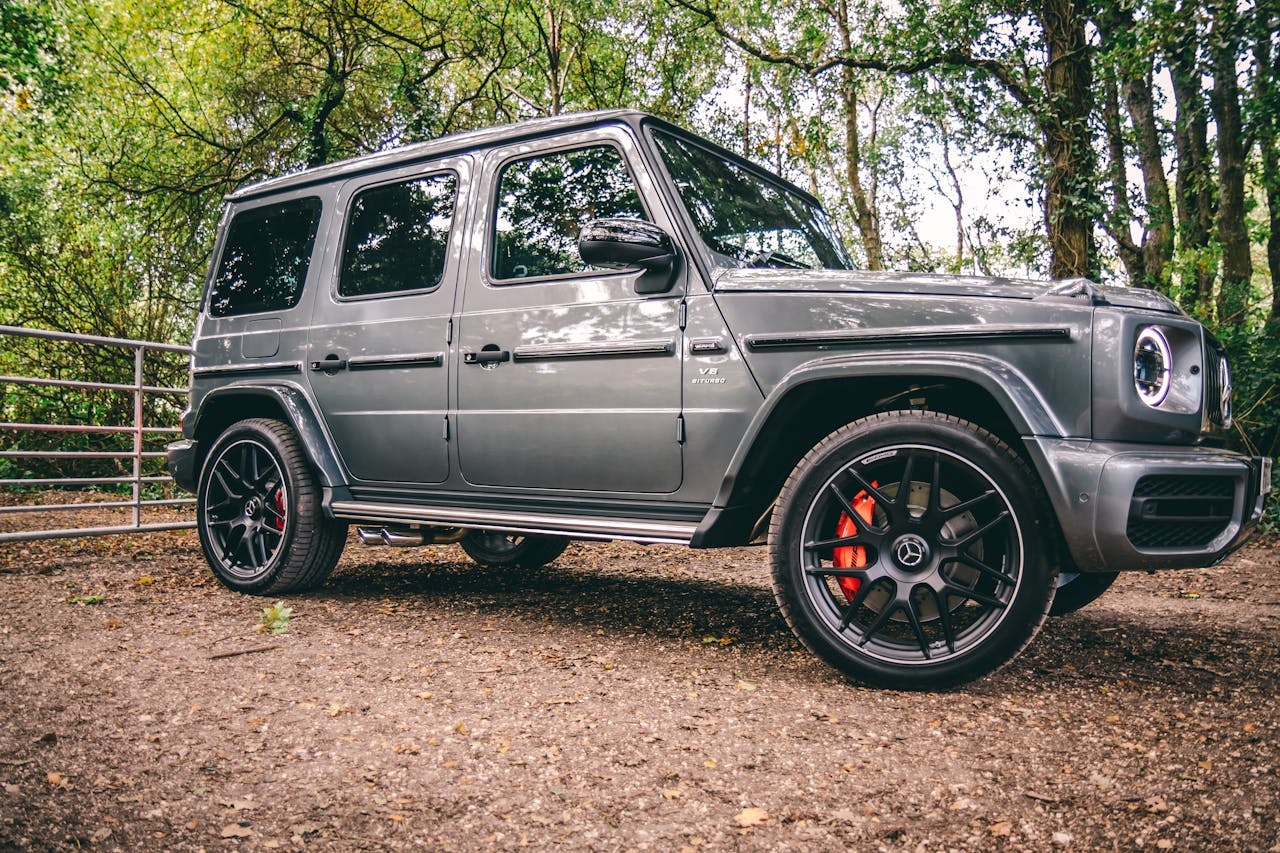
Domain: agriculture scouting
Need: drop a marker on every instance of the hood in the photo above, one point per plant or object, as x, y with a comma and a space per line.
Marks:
1075, 290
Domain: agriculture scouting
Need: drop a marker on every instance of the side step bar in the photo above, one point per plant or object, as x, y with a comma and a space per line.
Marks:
575, 527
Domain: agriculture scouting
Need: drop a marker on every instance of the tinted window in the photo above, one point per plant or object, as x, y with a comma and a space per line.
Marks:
264, 263
397, 237
544, 201
746, 219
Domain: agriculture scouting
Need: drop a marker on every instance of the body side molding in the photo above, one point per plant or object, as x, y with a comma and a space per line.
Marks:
912, 334
603, 349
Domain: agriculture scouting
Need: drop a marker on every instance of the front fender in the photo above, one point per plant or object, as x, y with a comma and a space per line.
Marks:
1019, 400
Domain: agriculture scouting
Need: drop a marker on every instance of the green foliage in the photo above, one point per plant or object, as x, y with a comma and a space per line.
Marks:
123, 122
86, 600
275, 619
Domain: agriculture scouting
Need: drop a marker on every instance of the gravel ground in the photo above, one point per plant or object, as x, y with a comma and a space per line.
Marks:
623, 698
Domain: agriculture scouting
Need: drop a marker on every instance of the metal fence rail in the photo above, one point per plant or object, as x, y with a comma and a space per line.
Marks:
139, 390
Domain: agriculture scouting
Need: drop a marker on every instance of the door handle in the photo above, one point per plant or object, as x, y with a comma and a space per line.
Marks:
330, 364
486, 357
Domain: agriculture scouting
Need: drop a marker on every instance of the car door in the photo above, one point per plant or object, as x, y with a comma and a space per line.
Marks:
569, 379
379, 353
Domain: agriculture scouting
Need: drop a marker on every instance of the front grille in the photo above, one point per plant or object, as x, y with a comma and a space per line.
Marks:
1213, 382
1180, 511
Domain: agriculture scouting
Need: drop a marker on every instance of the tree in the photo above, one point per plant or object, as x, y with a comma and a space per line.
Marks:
1035, 53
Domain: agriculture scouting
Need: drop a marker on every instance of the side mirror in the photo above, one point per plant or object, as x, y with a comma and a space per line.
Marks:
630, 243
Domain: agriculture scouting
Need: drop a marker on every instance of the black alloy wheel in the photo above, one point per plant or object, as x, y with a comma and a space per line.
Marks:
258, 512
1080, 589
906, 551
495, 548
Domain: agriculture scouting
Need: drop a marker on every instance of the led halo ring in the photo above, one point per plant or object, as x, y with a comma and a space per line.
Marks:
1152, 366
1224, 384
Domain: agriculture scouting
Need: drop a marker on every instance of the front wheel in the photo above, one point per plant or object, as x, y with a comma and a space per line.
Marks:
494, 548
258, 512
906, 551
1079, 589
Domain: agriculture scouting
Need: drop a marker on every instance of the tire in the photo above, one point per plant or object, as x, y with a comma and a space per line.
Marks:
1080, 589
259, 515
492, 548
923, 590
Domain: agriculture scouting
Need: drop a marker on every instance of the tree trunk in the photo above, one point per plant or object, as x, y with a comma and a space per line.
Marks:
1132, 68
1070, 195
1268, 101
1233, 234
1157, 244
1193, 184
863, 208
1121, 214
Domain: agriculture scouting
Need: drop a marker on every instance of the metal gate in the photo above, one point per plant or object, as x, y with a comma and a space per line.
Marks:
139, 390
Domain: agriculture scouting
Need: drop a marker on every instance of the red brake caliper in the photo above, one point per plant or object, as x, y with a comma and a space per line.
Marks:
853, 556
280, 509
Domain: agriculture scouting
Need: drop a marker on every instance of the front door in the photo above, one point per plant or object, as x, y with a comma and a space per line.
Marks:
379, 358
568, 378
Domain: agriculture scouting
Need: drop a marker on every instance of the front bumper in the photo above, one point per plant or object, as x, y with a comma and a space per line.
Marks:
1126, 506
180, 456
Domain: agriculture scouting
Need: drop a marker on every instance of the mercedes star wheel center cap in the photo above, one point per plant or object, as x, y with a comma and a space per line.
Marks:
911, 552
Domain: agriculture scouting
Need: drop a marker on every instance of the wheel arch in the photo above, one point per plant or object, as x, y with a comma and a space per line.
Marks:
820, 396
222, 407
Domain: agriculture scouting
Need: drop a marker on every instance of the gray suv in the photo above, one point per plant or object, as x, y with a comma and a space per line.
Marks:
600, 326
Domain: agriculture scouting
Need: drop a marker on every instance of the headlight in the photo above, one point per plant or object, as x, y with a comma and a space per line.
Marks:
1224, 390
1152, 364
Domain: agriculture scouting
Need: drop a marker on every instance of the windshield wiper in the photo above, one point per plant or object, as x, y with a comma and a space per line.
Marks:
775, 259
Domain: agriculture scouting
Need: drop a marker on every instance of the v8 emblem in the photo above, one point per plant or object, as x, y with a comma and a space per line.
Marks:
708, 371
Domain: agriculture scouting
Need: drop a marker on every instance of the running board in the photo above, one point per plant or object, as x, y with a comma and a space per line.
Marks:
575, 527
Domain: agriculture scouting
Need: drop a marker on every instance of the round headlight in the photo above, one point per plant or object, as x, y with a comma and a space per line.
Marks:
1151, 366
1224, 388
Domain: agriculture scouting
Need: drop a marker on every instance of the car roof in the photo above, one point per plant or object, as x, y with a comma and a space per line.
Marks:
471, 140
454, 143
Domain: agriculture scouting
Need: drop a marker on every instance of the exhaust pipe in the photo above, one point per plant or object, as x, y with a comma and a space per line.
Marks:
402, 538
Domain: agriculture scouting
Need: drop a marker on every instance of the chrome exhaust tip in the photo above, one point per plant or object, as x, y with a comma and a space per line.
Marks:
401, 538
370, 535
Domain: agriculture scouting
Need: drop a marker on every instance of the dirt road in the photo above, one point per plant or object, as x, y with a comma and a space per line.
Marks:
623, 698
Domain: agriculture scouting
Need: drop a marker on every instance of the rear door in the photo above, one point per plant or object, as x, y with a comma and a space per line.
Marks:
568, 378
379, 355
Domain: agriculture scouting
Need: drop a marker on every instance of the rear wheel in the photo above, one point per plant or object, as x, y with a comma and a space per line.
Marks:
259, 515
906, 551
494, 548
1080, 589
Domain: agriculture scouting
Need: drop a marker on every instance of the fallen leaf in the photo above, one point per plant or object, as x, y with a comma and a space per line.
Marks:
670, 793
145, 580
57, 780
745, 686
751, 816
1003, 827
235, 830
425, 695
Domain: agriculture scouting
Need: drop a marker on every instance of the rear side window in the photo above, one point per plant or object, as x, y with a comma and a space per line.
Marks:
543, 202
264, 263
398, 236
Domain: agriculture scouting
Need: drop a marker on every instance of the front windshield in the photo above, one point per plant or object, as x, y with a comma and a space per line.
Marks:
745, 219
